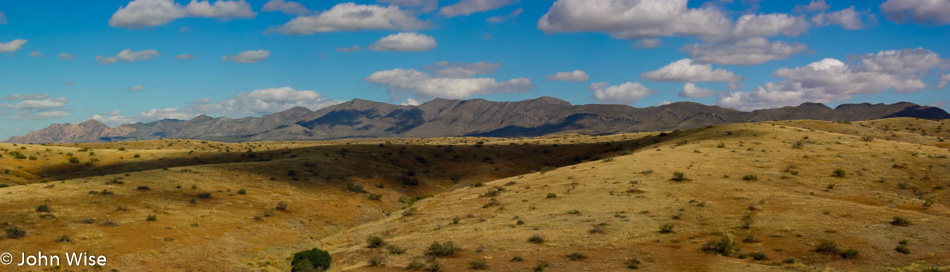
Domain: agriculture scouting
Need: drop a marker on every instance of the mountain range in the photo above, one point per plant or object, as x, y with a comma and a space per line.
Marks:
476, 117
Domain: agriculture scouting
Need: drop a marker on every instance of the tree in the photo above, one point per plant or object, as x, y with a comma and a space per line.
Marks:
311, 260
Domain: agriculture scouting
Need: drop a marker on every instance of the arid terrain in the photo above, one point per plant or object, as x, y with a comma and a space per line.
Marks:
750, 197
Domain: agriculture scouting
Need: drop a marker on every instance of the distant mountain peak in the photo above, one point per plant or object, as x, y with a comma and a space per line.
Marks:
92, 123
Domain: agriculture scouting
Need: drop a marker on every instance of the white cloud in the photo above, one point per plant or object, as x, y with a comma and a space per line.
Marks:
943, 82
847, 18
935, 12
831, 80
665, 102
353, 17
633, 19
127, 55
768, 25
425, 5
137, 88
67, 56
253, 103
185, 57
249, 56
576, 75
404, 42
627, 93
410, 102
466, 7
647, 43
685, 70
36, 54
3, 18
12, 46
691, 90
350, 49
750, 51
35, 106
462, 69
286, 7
813, 5
453, 81
149, 13
503, 18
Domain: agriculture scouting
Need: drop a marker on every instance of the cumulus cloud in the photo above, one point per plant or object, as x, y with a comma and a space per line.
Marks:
466, 7
286, 7
943, 82
831, 80
749, 51
503, 18
576, 75
126, 55
935, 12
35, 106
350, 49
12, 46
691, 90
404, 42
36, 54
137, 88
424, 5
67, 56
627, 93
139, 14
453, 81
631, 19
647, 43
185, 57
847, 18
249, 56
685, 70
353, 17
253, 103
769, 25
813, 5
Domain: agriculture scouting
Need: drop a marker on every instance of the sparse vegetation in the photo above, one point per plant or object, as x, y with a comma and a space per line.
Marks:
725, 246
750, 177
375, 242
838, 173
15, 232
576, 256
536, 239
479, 264
395, 250
900, 221
666, 228
442, 250
281, 206
678, 176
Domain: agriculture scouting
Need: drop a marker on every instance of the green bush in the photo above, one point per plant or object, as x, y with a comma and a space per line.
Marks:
43, 208
726, 246
395, 250
310, 260
678, 176
375, 242
15, 232
900, 221
750, 177
442, 250
902, 249
849, 254
73, 160
633, 263
666, 228
479, 264
536, 239
576, 256
839, 173
827, 246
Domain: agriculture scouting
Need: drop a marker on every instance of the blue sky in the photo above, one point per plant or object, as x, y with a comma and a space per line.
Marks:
138, 61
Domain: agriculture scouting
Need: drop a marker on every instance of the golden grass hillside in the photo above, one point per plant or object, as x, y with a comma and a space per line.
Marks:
178, 205
752, 197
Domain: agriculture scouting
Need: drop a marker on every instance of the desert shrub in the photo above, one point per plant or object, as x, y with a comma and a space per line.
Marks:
678, 176
536, 239
43, 208
63, 239
479, 264
375, 197
838, 173
281, 206
415, 265
15, 232
442, 250
900, 221
576, 256
597, 229
73, 160
375, 242
377, 260
143, 188
517, 259
136, 156
541, 266
798, 144
632, 263
867, 138
902, 249
151, 217
849, 254
242, 192
747, 220
726, 246
721, 145
204, 195
395, 250
355, 188
759, 256
750, 177
551, 195
827, 246
310, 260
666, 228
